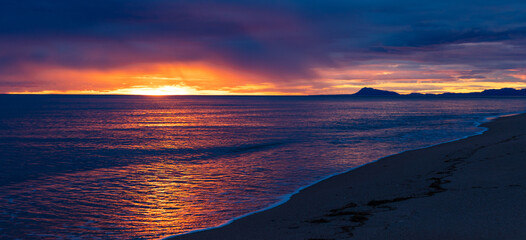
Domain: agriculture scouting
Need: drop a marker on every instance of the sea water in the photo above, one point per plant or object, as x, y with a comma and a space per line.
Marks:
138, 167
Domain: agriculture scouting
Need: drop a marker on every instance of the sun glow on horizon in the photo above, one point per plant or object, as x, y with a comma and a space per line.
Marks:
160, 79
157, 91
166, 90
154, 79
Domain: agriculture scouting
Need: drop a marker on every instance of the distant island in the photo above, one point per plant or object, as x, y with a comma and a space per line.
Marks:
503, 92
375, 92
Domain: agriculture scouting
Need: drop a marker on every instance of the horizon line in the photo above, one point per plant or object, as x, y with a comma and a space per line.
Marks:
255, 95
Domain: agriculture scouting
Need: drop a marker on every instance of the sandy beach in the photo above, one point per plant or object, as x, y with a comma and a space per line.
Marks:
474, 188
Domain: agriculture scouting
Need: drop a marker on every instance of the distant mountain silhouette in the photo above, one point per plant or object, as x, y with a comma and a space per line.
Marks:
374, 92
504, 92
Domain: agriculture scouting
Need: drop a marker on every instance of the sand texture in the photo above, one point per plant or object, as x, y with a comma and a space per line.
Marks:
474, 188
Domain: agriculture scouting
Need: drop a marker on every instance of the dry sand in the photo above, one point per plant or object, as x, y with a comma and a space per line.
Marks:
473, 188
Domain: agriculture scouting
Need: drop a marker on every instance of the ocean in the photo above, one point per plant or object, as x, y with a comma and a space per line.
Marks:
145, 167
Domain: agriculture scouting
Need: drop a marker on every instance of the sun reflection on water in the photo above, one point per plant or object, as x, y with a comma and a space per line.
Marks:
144, 167
138, 200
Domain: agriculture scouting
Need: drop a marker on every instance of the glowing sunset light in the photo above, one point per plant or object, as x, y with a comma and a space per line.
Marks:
163, 90
144, 79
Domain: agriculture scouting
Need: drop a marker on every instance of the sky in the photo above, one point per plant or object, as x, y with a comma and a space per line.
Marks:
260, 47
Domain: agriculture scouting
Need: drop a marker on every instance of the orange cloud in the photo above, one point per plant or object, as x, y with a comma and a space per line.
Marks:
144, 79
198, 78
519, 76
408, 79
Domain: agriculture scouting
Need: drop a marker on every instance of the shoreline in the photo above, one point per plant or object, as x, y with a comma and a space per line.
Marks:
210, 233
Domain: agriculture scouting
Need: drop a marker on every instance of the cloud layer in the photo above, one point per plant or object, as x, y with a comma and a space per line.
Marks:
299, 46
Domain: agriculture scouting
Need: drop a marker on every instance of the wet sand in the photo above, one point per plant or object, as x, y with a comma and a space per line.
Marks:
474, 188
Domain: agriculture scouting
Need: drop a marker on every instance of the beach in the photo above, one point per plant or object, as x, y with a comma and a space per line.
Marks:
473, 188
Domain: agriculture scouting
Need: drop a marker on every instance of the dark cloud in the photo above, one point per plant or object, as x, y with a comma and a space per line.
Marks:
284, 40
